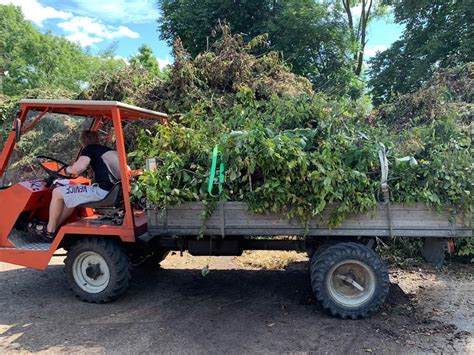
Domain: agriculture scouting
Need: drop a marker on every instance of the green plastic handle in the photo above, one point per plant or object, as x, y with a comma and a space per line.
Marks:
216, 154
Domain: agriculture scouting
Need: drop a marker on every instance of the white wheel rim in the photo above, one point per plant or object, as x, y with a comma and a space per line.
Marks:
351, 283
91, 272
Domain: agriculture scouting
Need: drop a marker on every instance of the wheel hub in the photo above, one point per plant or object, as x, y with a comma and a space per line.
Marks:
350, 280
351, 283
91, 272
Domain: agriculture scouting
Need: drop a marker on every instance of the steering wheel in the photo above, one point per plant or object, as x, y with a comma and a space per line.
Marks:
41, 159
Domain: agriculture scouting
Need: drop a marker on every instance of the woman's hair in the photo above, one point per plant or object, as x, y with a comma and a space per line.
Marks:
89, 137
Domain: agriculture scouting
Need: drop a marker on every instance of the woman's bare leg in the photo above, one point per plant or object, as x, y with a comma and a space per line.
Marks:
55, 209
67, 212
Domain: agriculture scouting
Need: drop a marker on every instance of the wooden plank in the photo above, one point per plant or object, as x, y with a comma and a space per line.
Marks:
407, 220
312, 233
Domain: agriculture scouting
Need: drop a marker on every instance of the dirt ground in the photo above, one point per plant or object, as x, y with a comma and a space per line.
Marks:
234, 309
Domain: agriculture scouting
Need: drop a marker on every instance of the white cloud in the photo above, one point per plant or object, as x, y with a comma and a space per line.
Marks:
372, 50
163, 62
81, 29
88, 31
123, 31
83, 39
125, 11
119, 57
36, 12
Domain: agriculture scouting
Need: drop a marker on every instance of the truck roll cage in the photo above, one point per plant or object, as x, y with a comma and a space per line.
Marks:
23, 194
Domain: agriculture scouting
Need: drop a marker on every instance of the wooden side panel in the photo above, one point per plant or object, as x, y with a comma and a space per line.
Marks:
232, 218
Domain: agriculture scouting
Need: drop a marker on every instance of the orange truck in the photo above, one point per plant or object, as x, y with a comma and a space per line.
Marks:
104, 239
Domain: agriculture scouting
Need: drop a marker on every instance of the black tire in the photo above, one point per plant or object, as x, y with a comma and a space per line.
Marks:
322, 248
312, 253
112, 257
358, 266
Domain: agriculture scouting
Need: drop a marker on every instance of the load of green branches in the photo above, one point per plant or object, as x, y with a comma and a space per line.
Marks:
292, 151
288, 149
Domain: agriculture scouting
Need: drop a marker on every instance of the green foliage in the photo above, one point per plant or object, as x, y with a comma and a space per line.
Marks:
293, 172
295, 152
313, 40
402, 251
287, 149
33, 59
277, 167
450, 92
145, 59
9, 105
212, 79
438, 34
8, 108
465, 247
443, 152
53, 135
128, 84
193, 23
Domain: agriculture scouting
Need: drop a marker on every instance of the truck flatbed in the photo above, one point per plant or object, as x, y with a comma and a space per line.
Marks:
234, 219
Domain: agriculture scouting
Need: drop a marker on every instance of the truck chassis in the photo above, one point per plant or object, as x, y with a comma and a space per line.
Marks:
347, 276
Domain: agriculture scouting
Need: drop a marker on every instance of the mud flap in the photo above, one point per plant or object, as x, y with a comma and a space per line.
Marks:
433, 250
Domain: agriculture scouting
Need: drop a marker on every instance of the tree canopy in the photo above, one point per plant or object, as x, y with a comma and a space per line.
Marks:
30, 59
145, 59
438, 34
313, 40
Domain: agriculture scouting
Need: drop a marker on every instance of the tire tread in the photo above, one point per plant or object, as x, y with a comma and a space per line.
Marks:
119, 268
321, 264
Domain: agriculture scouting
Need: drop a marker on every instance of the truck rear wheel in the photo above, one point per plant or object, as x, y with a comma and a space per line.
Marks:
97, 270
349, 280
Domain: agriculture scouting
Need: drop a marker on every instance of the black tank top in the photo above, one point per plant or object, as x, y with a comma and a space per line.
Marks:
102, 176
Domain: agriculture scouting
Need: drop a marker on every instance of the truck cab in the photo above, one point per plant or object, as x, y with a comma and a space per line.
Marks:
26, 199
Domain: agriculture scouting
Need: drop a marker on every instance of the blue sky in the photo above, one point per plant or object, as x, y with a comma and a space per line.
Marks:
97, 24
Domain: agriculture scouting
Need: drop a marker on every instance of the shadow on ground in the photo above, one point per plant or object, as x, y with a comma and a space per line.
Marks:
177, 310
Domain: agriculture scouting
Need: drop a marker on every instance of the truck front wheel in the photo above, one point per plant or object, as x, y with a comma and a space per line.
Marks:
97, 269
349, 280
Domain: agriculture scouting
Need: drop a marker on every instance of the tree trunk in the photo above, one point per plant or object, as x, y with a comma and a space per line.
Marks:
361, 35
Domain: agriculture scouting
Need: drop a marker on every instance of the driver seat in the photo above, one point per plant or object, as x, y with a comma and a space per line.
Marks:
114, 199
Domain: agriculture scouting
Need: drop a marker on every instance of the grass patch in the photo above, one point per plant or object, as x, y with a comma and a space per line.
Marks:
270, 260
